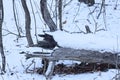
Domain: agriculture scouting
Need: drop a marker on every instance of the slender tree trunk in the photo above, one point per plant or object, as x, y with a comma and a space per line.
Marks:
60, 13
46, 16
56, 12
27, 23
34, 17
1, 42
16, 22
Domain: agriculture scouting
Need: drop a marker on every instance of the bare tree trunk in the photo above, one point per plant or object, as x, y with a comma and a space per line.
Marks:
60, 13
56, 12
46, 16
1, 42
14, 11
27, 23
34, 17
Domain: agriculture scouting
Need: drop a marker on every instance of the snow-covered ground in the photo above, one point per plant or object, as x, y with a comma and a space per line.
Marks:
76, 16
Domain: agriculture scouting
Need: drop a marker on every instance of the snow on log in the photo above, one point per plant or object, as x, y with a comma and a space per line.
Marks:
82, 55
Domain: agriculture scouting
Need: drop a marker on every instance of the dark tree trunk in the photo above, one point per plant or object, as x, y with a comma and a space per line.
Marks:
1, 42
46, 16
60, 14
27, 23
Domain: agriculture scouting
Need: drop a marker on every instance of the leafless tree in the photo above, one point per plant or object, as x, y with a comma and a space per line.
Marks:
56, 12
60, 13
46, 16
34, 17
1, 42
27, 23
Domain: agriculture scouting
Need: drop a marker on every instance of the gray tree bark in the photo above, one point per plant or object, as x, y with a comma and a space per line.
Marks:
27, 23
1, 42
60, 13
87, 56
46, 16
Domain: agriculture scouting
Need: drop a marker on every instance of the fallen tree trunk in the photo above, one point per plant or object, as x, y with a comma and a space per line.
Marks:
88, 56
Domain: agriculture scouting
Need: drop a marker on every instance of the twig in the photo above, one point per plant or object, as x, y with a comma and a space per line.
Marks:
67, 3
22, 64
73, 32
51, 10
9, 32
93, 20
17, 16
77, 13
93, 10
51, 4
33, 62
80, 29
103, 2
34, 67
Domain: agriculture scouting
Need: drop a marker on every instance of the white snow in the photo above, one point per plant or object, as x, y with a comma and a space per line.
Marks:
76, 16
105, 40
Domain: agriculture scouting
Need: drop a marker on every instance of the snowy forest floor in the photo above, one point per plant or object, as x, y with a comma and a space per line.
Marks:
108, 40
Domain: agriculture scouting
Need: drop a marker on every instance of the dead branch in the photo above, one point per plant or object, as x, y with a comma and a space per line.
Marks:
67, 3
9, 32
103, 4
